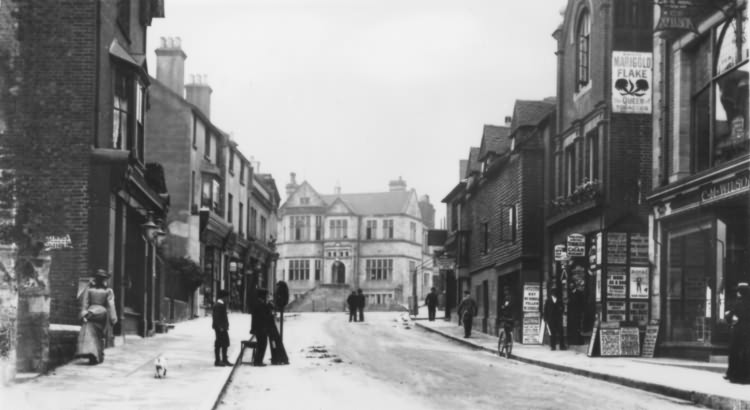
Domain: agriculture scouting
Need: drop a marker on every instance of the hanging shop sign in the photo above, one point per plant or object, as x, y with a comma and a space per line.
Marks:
445, 263
638, 282
638, 249
631, 82
576, 245
560, 254
616, 282
617, 247
677, 15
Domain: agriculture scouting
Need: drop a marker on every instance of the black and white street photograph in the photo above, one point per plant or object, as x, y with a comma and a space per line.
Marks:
374, 204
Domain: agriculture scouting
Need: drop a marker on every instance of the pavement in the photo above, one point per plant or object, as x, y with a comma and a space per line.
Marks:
125, 380
699, 382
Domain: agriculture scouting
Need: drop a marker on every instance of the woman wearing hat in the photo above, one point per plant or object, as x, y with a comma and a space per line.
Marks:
98, 315
738, 370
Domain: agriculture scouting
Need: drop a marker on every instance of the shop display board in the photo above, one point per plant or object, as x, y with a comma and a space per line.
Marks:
630, 343
609, 339
617, 281
649, 341
639, 312
639, 282
617, 247
638, 249
531, 326
531, 297
616, 310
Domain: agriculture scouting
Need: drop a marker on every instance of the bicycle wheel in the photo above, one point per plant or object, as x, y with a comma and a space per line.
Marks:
501, 342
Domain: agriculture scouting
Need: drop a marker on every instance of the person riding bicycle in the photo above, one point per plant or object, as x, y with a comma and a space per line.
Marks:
505, 315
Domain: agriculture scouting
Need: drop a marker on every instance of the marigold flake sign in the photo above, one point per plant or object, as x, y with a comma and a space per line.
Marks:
631, 77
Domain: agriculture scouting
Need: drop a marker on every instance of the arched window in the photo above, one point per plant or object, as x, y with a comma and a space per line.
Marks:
583, 43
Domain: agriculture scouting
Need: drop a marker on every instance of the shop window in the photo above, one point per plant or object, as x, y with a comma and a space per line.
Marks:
583, 44
720, 72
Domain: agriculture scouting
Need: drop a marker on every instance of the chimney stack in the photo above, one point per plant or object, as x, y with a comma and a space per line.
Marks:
337, 189
398, 185
198, 93
170, 64
292, 185
508, 120
462, 164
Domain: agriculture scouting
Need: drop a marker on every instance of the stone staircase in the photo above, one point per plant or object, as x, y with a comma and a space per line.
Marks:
322, 298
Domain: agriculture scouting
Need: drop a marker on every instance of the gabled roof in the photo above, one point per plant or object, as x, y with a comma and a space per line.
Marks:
530, 113
494, 140
376, 203
472, 165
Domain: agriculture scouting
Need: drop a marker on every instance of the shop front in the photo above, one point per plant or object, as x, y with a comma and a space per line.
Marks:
701, 230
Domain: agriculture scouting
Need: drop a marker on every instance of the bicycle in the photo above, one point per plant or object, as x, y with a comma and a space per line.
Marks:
505, 339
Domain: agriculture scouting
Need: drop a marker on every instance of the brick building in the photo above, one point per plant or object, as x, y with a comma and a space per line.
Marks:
216, 194
82, 187
600, 163
330, 244
699, 205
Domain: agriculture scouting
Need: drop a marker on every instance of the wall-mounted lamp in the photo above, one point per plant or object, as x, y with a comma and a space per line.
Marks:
153, 232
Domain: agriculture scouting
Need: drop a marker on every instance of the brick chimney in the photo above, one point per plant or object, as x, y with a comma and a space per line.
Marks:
462, 164
398, 185
170, 64
337, 189
292, 185
198, 93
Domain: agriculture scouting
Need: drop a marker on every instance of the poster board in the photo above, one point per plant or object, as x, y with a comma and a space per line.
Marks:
617, 247
616, 310
639, 249
639, 312
649, 341
616, 282
531, 333
630, 341
531, 298
576, 245
609, 339
639, 282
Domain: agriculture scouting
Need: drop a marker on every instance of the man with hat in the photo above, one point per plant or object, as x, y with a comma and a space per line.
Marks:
262, 321
553, 315
220, 324
738, 317
466, 312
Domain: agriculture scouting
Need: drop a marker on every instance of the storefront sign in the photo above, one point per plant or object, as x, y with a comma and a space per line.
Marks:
649, 341
638, 249
531, 325
616, 282
630, 344
617, 247
445, 263
560, 253
725, 189
616, 311
576, 245
639, 312
631, 87
638, 282
531, 298
677, 15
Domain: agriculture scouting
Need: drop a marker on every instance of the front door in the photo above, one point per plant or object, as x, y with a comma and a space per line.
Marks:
338, 273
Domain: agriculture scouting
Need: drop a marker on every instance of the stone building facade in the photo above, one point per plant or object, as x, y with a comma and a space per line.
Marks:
371, 241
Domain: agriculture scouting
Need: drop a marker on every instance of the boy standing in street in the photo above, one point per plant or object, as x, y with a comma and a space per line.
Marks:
220, 324
431, 301
353, 302
466, 312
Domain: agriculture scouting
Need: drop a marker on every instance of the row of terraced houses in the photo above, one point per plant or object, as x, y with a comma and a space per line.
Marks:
106, 166
626, 193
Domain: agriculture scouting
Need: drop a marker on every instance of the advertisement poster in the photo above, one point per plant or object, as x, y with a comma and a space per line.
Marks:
559, 252
531, 298
639, 312
638, 249
616, 311
531, 325
631, 82
617, 247
598, 285
576, 245
616, 282
638, 282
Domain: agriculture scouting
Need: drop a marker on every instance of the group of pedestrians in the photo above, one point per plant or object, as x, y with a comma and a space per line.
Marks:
356, 302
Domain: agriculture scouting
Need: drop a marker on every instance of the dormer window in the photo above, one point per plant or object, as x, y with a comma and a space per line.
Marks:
305, 200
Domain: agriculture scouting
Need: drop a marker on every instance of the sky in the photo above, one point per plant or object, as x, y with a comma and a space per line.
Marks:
357, 93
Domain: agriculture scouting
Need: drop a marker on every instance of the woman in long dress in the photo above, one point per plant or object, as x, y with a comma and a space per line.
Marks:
738, 370
98, 315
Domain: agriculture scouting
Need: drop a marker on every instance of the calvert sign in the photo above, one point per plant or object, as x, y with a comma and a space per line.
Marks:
631, 87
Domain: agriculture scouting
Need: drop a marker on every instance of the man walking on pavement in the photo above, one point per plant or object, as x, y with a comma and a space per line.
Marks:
220, 324
361, 305
553, 315
466, 311
353, 302
262, 320
431, 301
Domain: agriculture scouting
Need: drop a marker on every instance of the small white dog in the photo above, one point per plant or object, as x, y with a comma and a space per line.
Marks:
160, 365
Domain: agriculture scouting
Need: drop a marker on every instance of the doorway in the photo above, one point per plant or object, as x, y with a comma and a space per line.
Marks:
338, 273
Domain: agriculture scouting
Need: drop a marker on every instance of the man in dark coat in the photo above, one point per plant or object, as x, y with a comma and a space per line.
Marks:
431, 301
361, 305
553, 315
220, 324
467, 309
262, 321
738, 369
353, 302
